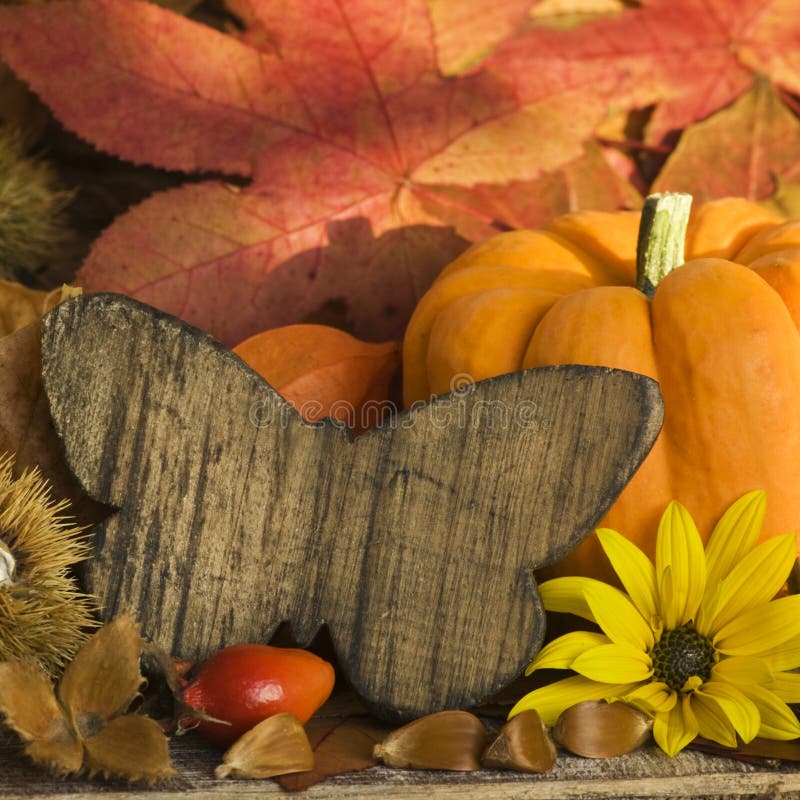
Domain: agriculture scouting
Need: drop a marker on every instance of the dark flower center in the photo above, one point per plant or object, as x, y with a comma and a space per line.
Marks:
680, 654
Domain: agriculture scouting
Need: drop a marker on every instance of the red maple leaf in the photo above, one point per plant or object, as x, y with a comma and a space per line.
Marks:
336, 109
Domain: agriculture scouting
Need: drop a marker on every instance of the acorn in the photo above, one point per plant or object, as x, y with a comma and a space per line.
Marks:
278, 745
452, 740
596, 729
33, 226
522, 744
44, 617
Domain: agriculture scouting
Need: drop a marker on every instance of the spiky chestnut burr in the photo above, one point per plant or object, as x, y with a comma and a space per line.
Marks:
44, 616
32, 223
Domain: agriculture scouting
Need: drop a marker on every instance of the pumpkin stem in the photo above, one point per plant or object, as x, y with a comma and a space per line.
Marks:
661, 235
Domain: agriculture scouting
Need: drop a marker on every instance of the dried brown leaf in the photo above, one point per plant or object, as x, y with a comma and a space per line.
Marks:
278, 745
20, 306
756, 751
132, 747
104, 678
26, 428
341, 743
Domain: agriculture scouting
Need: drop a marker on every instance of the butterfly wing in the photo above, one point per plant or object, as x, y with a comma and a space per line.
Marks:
471, 492
211, 543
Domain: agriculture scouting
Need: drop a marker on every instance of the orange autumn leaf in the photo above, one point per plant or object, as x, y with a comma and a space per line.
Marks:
466, 32
325, 372
686, 58
737, 151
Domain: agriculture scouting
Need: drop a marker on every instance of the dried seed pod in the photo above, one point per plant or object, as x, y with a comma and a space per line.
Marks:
596, 729
278, 745
451, 740
523, 744
84, 726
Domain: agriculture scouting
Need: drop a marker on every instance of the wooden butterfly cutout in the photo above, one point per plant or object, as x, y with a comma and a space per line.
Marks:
415, 542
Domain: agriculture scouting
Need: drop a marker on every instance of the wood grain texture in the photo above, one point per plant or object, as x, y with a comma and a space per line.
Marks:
647, 773
415, 542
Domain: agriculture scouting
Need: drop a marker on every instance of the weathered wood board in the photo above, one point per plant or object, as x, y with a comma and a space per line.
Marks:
645, 774
415, 542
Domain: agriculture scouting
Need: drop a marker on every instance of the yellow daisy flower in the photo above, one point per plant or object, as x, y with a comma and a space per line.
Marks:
696, 641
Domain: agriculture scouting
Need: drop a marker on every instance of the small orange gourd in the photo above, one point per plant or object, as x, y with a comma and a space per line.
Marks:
325, 372
719, 333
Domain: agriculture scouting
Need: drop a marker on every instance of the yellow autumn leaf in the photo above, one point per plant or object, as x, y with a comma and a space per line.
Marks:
20, 306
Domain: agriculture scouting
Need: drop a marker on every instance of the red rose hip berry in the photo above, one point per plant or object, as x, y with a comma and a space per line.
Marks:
246, 683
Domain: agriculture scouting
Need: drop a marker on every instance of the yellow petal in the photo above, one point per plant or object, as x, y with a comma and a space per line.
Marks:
756, 579
668, 609
561, 652
785, 686
614, 663
680, 548
735, 535
735, 705
565, 595
760, 629
617, 616
712, 721
691, 683
777, 719
554, 698
653, 697
674, 729
634, 568
742, 670
708, 608
785, 656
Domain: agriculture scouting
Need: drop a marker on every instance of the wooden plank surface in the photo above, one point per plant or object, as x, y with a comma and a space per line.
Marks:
415, 542
646, 774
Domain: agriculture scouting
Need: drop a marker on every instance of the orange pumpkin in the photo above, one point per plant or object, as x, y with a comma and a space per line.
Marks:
720, 334
325, 372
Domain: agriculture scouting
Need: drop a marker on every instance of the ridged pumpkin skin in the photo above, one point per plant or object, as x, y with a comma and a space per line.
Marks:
720, 335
